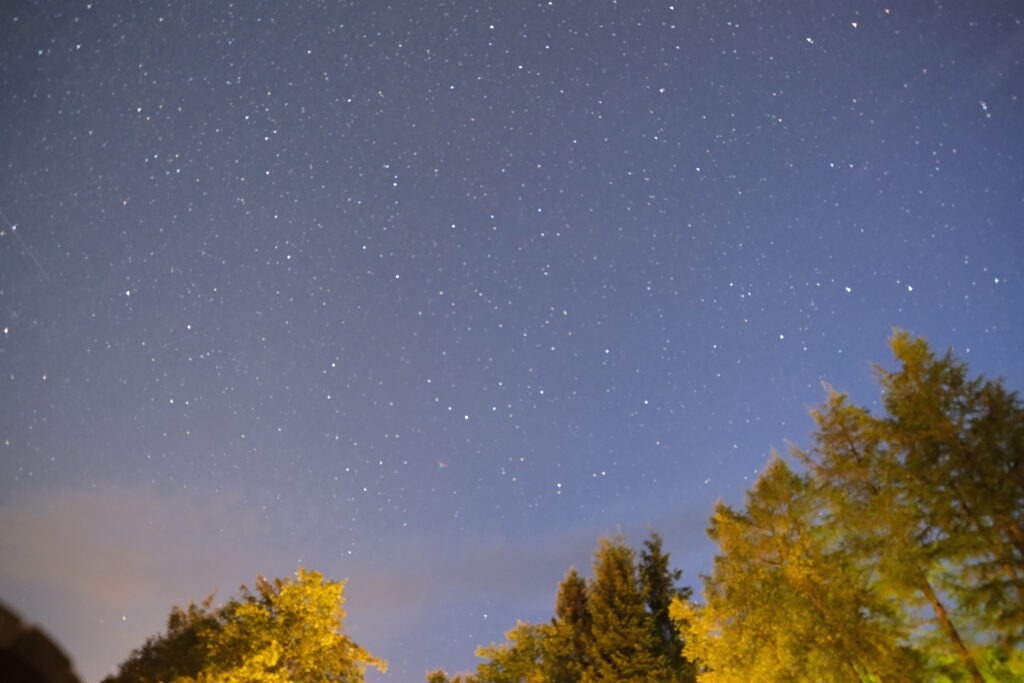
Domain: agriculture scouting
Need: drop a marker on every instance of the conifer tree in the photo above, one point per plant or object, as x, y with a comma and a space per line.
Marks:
876, 512
899, 555
605, 629
961, 444
623, 648
784, 603
568, 639
658, 583
934, 490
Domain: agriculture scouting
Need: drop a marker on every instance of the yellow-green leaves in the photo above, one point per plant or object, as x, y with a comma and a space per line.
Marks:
285, 631
290, 631
897, 554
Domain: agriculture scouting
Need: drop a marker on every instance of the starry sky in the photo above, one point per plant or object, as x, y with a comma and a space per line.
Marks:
430, 295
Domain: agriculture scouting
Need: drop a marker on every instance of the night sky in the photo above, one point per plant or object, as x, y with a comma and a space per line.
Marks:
431, 295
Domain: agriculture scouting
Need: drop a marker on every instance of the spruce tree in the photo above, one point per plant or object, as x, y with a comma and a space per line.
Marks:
623, 648
658, 584
566, 646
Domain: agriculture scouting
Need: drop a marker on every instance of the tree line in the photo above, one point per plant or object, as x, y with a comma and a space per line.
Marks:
890, 550
281, 631
614, 627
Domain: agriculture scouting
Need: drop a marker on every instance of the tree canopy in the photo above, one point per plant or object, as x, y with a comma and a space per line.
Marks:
286, 630
613, 627
896, 554
891, 549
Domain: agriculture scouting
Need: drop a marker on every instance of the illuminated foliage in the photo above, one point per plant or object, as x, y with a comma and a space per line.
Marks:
567, 642
959, 443
612, 628
440, 676
783, 603
178, 653
624, 643
517, 661
285, 631
933, 493
895, 553
898, 556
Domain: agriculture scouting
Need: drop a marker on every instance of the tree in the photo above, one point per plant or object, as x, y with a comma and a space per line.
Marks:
178, 653
517, 661
784, 603
874, 507
658, 584
569, 636
898, 554
284, 631
623, 647
961, 441
440, 676
610, 628
933, 490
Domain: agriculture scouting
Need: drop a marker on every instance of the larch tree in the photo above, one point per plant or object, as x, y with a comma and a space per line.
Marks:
933, 493
875, 509
783, 602
961, 442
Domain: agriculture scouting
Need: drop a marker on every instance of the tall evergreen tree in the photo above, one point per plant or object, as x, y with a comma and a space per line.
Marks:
624, 648
565, 649
610, 628
659, 586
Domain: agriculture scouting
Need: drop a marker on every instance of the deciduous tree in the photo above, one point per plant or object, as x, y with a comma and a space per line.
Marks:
516, 661
285, 631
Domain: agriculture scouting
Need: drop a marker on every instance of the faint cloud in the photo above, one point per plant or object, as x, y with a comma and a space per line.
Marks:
116, 545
